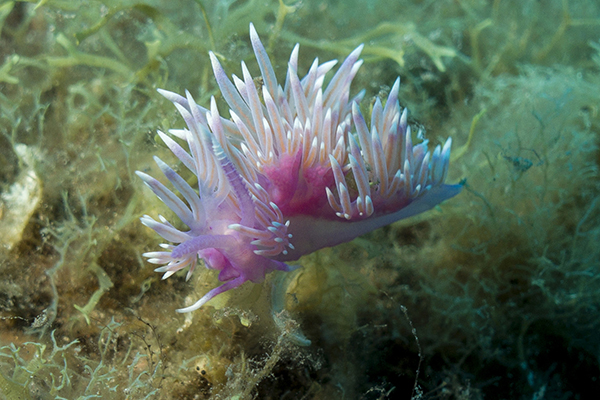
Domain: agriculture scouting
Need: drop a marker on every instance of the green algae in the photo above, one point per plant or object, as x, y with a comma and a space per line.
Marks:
502, 281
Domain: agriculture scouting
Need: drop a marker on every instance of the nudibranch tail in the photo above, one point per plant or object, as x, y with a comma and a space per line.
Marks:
293, 169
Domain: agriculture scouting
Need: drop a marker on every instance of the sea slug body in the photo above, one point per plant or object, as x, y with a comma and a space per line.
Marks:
294, 169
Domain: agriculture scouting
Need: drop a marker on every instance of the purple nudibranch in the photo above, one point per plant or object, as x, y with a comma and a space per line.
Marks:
294, 169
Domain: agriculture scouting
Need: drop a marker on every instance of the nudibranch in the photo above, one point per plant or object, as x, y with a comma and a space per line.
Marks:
292, 170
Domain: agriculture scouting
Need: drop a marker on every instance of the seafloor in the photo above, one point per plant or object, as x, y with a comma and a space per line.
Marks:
495, 294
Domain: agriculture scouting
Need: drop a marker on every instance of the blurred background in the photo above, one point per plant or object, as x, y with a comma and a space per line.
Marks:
494, 294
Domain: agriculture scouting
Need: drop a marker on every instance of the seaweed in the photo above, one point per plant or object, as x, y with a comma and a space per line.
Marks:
500, 284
